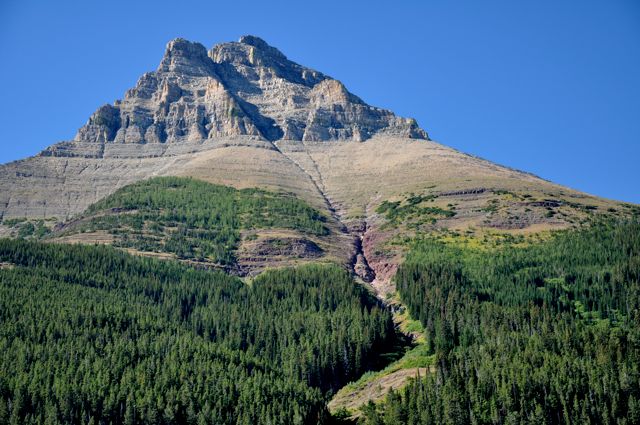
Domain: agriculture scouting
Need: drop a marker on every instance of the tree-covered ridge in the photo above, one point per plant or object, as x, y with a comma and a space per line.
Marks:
94, 335
544, 334
194, 219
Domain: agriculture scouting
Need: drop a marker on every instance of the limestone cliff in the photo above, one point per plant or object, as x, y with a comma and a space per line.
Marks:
246, 88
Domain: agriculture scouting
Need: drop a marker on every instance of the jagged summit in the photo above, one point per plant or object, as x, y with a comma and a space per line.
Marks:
238, 88
252, 40
183, 56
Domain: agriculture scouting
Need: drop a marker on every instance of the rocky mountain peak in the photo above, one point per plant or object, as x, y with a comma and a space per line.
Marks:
253, 40
253, 52
260, 44
183, 56
238, 88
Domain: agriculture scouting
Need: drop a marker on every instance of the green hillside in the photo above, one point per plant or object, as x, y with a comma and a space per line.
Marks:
507, 329
94, 335
546, 333
193, 219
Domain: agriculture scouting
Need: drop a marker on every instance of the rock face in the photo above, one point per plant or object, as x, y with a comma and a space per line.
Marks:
246, 88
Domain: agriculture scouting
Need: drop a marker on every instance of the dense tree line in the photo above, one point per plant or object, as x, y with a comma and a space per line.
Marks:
194, 219
91, 335
544, 334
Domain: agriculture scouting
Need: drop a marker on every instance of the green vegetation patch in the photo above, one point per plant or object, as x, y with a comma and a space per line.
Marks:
194, 219
12, 222
542, 333
27, 228
414, 209
90, 334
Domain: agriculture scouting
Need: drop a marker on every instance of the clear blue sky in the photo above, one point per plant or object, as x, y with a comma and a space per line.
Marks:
550, 87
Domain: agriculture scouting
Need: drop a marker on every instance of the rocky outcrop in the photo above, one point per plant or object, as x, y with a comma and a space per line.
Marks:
270, 248
285, 247
303, 103
336, 114
182, 101
246, 88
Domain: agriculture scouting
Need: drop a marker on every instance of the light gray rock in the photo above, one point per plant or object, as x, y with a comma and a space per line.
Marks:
304, 104
242, 88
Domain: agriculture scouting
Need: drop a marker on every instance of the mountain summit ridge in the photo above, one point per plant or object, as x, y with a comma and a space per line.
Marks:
244, 88
242, 114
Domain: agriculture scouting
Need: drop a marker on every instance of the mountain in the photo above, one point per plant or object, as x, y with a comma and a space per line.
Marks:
242, 114
242, 96
239, 160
